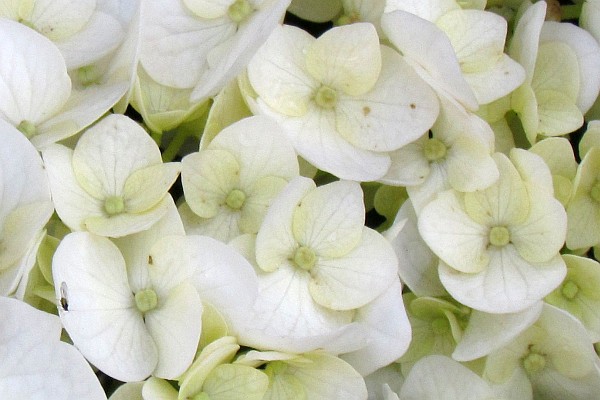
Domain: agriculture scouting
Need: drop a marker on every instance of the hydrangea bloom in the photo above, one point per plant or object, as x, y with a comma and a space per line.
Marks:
341, 91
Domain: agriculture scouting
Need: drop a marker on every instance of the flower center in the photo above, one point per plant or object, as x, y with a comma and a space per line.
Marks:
499, 236
534, 362
235, 199
569, 290
27, 128
146, 300
88, 75
595, 192
305, 258
114, 205
434, 149
240, 10
440, 326
326, 97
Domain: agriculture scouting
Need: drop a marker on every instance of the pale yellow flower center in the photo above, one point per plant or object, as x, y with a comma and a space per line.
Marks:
434, 149
569, 290
499, 236
114, 205
534, 362
305, 258
326, 97
240, 10
146, 300
235, 199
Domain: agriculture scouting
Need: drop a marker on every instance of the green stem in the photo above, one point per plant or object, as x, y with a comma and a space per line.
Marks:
175, 145
157, 137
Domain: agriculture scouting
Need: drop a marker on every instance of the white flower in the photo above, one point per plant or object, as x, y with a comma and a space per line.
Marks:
35, 90
344, 100
129, 320
114, 183
230, 184
498, 246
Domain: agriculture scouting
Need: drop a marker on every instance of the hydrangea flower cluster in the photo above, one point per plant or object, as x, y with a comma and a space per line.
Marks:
300, 199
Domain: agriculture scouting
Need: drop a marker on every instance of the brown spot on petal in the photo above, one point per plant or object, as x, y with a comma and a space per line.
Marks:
366, 110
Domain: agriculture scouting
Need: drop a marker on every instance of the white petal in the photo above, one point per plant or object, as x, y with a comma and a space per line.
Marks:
452, 235
524, 44
277, 71
409, 167
286, 318
417, 265
330, 219
275, 241
358, 277
508, 284
208, 8
390, 332
588, 58
73, 204
101, 35
97, 307
36, 365
435, 377
399, 109
430, 10
175, 43
34, 83
498, 81
145, 187
175, 327
107, 154
346, 58
83, 108
59, 19
426, 46
489, 332
334, 154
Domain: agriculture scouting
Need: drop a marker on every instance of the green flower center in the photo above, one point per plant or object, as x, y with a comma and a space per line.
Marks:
240, 10
349, 18
235, 199
114, 205
434, 149
595, 192
569, 290
440, 326
146, 300
88, 75
499, 236
326, 97
305, 258
534, 362
27, 128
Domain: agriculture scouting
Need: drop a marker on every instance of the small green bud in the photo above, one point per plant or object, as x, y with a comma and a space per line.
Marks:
27, 128
326, 97
499, 236
434, 149
240, 10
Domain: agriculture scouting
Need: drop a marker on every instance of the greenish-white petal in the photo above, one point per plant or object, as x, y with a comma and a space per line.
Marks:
145, 187
346, 58
275, 241
357, 278
452, 235
508, 284
330, 219
207, 178
277, 72
499, 80
232, 382
380, 119
175, 327
34, 83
